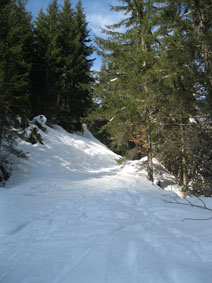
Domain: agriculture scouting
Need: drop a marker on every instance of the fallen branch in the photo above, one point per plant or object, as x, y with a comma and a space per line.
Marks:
198, 219
175, 200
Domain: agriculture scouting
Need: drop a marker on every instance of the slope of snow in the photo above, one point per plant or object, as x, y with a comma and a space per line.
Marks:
70, 214
162, 177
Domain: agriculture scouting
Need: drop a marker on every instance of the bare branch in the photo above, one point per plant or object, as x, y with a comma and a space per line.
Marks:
189, 203
198, 219
202, 202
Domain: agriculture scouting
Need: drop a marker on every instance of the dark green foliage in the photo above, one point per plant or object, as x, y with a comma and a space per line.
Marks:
10, 131
48, 64
185, 72
35, 136
126, 81
62, 76
155, 80
156, 76
96, 127
44, 69
15, 66
76, 93
16, 33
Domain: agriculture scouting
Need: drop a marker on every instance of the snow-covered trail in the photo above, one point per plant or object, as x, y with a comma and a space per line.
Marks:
106, 225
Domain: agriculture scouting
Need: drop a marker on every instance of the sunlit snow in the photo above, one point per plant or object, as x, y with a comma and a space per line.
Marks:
71, 214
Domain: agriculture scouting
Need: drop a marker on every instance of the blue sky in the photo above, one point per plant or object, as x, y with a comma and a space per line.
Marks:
98, 15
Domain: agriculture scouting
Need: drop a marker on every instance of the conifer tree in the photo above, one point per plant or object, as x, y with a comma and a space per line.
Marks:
16, 33
183, 81
177, 87
15, 66
39, 96
80, 96
48, 63
62, 65
156, 78
67, 31
199, 13
130, 60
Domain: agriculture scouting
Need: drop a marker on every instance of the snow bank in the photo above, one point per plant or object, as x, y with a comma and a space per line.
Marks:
162, 177
63, 154
71, 214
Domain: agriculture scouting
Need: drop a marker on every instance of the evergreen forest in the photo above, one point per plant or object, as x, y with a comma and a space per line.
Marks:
45, 68
152, 96
155, 87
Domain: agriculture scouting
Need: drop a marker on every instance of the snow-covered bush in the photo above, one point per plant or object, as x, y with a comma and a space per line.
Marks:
4, 170
10, 131
34, 136
35, 129
40, 122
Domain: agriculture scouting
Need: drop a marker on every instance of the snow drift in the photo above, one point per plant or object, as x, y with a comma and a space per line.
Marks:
71, 214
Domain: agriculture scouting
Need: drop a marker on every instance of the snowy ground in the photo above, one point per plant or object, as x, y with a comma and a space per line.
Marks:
70, 214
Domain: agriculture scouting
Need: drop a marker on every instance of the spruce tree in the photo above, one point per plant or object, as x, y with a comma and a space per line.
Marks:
67, 31
16, 33
183, 80
39, 96
62, 65
201, 22
15, 66
81, 94
156, 79
48, 63
130, 58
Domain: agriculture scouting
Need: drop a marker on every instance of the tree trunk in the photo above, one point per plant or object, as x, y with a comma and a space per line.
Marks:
183, 150
149, 155
205, 47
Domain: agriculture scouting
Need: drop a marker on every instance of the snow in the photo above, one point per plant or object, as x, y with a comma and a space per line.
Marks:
112, 80
71, 214
192, 120
161, 175
41, 119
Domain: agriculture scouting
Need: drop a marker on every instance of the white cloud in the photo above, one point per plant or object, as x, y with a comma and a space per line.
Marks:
99, 15
97, 21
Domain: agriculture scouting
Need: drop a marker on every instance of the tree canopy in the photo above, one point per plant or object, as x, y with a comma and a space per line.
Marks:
155, 82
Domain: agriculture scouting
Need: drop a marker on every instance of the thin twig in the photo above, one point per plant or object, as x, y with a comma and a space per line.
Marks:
189, 203
198, 219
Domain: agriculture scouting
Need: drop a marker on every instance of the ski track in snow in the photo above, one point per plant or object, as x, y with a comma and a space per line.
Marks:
98, 225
